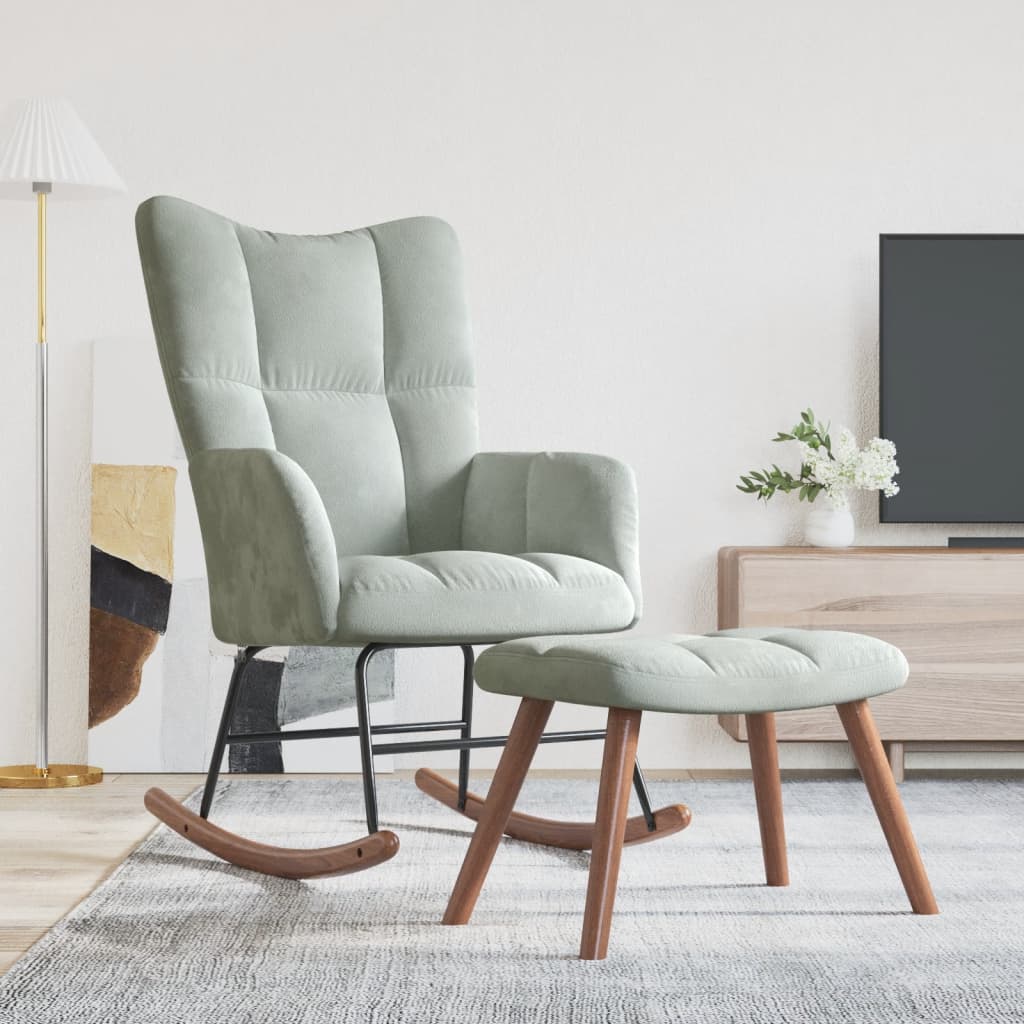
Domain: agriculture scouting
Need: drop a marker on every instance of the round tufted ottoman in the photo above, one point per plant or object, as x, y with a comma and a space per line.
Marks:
754, 672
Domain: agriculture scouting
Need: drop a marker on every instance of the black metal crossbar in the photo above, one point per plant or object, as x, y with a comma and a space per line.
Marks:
476, 742
342, 732
365, 731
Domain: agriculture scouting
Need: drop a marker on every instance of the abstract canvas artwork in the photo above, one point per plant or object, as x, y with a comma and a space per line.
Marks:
157, 675
132, 567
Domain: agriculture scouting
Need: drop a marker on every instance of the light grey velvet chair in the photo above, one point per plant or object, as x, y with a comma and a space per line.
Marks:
324, 391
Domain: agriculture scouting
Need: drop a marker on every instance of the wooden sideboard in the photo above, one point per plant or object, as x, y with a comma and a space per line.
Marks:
957, 614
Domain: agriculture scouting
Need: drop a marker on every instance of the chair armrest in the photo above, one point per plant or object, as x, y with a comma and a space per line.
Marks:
559, 502
270, 553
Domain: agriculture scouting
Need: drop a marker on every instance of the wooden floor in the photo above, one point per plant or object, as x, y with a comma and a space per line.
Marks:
56, 846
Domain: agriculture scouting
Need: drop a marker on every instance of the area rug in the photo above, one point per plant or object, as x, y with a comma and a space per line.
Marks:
174, 935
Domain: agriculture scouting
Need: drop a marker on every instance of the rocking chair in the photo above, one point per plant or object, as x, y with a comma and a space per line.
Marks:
323, 387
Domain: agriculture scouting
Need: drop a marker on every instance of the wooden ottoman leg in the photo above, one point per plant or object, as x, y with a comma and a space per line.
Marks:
874, 767
609, 830
501, 798
764, 760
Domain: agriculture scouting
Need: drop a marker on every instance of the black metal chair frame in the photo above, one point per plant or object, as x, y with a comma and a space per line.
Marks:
365, 731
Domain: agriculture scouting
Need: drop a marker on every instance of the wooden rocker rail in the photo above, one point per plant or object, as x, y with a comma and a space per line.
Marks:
565, 835
282, 861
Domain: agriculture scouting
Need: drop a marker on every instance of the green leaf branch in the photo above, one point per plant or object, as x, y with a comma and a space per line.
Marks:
766, 483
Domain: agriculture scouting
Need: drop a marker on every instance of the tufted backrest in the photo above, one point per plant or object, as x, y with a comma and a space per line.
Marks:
349, 353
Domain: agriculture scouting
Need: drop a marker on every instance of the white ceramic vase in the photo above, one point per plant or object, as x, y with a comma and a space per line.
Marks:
828, 527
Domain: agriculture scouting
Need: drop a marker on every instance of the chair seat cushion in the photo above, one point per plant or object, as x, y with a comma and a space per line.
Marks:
446, 596
736, 671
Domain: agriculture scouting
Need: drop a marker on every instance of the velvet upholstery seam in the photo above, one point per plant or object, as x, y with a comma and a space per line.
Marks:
255, 327
337, 391
601, 662
543, 588
387, 397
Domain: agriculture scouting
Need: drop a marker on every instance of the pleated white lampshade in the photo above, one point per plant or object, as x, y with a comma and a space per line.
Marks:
49, 142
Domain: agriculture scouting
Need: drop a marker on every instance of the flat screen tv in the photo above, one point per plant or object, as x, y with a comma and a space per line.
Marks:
951, 340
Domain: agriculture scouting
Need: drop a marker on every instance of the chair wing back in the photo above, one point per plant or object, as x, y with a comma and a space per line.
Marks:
349, 353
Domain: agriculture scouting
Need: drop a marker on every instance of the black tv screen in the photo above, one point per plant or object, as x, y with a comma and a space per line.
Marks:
952, 375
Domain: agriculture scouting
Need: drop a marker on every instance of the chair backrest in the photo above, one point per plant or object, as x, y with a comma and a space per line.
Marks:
349, 353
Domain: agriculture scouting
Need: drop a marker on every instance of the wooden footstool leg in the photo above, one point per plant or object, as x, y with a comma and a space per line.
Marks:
609, 830
764, 760
874, 767
501, 798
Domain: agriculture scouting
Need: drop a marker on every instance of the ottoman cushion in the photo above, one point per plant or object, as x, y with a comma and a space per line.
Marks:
735, 671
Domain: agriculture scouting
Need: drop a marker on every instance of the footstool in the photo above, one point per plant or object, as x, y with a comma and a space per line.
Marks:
753, 672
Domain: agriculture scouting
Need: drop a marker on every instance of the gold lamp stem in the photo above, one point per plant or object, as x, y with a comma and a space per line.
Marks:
43, 774
41, 189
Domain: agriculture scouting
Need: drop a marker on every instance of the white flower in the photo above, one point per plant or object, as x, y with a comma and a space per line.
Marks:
844, 447
851, 468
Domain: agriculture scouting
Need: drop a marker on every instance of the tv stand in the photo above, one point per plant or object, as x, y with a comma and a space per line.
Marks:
957, 614
982, 543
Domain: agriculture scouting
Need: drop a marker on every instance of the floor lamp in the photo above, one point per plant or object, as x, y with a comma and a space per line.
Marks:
49, 151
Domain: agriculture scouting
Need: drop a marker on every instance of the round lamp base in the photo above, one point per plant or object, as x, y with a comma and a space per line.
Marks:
57, 776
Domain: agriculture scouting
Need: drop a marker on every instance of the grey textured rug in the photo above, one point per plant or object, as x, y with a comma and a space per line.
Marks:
175, 936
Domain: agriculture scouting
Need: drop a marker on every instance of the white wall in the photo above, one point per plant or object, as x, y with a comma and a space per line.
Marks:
670, 215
